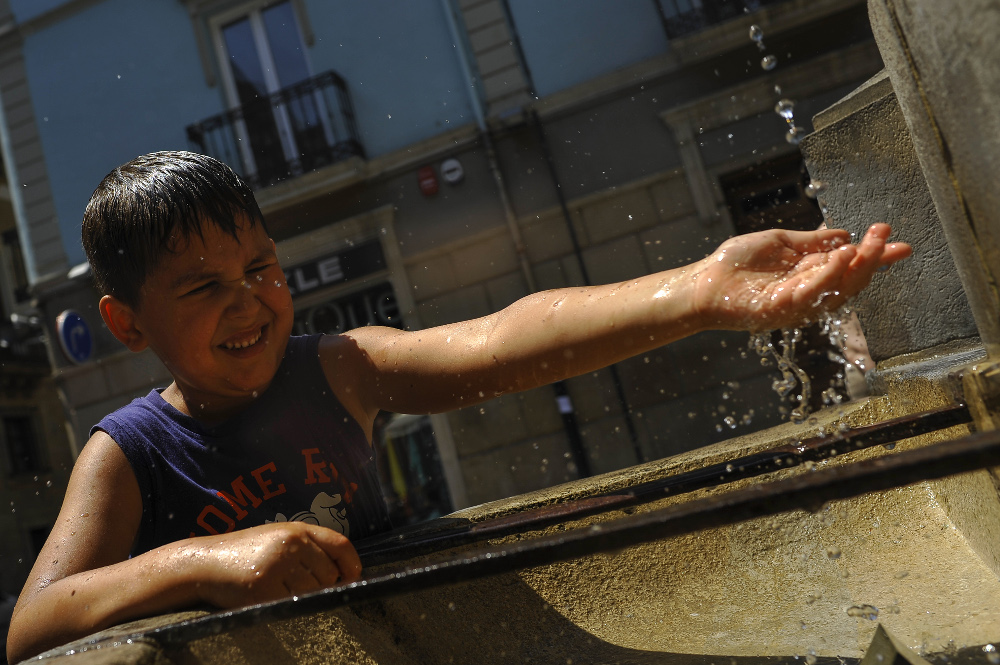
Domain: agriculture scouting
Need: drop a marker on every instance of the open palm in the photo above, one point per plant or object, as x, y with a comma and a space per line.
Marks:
775, 279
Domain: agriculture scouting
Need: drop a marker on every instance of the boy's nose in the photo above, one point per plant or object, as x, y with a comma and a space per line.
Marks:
244, 295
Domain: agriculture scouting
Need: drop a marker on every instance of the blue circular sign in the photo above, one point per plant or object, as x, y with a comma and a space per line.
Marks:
74, 336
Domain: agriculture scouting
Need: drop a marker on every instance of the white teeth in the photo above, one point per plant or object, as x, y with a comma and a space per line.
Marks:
242, 345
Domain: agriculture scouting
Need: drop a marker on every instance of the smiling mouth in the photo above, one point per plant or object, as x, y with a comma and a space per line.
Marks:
243, 344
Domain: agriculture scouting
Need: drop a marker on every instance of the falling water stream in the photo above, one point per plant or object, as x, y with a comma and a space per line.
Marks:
794, 383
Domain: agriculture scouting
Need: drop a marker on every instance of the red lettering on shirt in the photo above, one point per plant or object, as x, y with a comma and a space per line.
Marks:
265, 483
241, 493
314, 470
315, 473
212, 510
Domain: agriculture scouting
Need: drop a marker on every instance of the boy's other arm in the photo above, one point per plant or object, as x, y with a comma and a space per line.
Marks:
758, 281
84, 580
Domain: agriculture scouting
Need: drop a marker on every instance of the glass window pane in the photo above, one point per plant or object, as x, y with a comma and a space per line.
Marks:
286, 44
244, 61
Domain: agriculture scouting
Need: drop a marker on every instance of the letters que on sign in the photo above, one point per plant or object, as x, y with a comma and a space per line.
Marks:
371, 306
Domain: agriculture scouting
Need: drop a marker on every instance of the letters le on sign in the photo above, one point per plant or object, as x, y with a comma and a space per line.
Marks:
347, 264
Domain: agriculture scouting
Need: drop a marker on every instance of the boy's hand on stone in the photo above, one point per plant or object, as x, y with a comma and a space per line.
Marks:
776, 279
272, 562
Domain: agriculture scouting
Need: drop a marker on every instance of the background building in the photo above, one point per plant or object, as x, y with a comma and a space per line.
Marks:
425, 162
35, 458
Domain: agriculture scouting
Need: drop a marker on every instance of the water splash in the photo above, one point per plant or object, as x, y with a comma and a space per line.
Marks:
794, 383
833, 326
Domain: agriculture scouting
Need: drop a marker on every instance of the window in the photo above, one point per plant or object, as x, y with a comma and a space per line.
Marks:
24, 455
682, 17
283, 119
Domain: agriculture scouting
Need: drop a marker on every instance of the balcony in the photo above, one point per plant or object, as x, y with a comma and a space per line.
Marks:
683, 17
24, 358
295, 130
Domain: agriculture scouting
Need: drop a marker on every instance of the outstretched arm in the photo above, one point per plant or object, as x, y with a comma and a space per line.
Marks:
83, 580
758, 281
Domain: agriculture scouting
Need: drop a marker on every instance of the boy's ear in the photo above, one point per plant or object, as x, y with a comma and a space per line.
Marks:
121, 321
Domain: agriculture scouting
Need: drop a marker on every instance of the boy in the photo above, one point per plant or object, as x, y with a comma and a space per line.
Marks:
180, 497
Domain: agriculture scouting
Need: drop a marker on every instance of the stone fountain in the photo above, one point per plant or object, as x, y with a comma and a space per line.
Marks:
916, 146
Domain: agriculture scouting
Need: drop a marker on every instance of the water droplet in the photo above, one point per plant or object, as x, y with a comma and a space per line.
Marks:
795, 135
768, 62
785, 108
756, 33
814, 188
833, 552
992, 654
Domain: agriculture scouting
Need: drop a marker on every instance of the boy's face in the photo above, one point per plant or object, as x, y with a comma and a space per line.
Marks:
218, 314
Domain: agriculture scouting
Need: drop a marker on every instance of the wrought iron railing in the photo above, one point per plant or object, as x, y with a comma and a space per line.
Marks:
293, 131
683, 17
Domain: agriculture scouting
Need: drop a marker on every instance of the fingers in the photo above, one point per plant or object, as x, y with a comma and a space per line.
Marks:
817, 290
823, 240
340, 552
895, 251
325, 558
871, 251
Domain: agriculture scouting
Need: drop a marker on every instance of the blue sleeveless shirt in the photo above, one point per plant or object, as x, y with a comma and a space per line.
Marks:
294, 455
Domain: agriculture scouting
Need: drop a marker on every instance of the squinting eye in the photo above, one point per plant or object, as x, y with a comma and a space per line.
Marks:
204, 288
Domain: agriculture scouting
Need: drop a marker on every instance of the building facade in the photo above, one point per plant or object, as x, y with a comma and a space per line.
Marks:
35, 459
425, 162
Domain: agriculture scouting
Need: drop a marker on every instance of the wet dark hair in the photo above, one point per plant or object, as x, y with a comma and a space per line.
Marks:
145, 207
